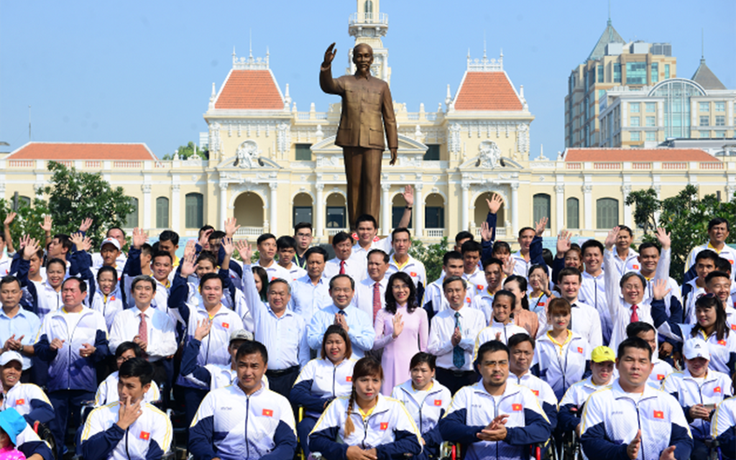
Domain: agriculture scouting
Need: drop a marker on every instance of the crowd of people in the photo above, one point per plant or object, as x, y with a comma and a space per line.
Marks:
359, 356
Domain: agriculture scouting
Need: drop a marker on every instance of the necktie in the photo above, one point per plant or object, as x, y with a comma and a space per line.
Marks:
143, 329
341, 312
342, 267
634, 314
458, 354
376, 300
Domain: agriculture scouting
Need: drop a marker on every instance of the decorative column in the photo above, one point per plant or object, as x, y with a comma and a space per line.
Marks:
320, 214
418, 211
273, 205
515, 208
175, 208
465, 219
386, 209
560, 220
626, 189
146, 206
588, 204
223, 201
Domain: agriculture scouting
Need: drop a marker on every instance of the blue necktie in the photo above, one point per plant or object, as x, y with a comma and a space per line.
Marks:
458, 354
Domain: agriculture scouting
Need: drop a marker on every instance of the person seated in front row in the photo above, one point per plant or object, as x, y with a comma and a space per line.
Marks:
366, 424
495, 417
426, 400
130, 428
107, 392
322, 380
28, 399
521, 348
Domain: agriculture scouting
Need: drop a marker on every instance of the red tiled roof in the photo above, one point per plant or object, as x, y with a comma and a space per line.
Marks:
250, 90
638, 155
82, 151
487, 91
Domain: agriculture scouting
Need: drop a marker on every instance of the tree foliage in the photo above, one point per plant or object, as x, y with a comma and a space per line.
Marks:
74, 196
27, 221
685, 215
187, 151
431, 256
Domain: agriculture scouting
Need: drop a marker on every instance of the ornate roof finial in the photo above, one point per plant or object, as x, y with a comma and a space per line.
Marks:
485, 56
609, 12
702, 45
214, 93
233, 52
250, 39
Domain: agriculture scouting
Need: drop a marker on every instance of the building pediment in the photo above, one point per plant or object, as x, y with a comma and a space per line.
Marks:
407, 145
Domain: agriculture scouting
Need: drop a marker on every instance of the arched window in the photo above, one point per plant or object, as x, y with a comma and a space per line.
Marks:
23, 201
542, 207
162, 212
131, 220
606, 210
573, 213
194, 210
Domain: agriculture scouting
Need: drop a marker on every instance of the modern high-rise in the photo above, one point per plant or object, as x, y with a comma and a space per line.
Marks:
613, 63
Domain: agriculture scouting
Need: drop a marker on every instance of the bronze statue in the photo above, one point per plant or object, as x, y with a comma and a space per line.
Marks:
360, 134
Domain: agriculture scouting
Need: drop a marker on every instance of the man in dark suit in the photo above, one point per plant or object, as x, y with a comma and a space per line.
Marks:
365, 101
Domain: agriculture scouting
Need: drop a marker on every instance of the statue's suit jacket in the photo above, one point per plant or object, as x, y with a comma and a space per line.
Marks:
364, 101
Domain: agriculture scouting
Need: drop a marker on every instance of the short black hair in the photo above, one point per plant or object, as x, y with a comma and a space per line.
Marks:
286, 242
400, 230
711, 275
252, 347
649, 245
105, 269
423, 357
718, 221
633, 342
146, 249
630, 275
707, 254
492, 261
464, 235
316, 250
341, 237
216, 235
501, 246
569, 271
592, 244
723, 265
451, 255
523, 229
337, 277
8, 279
169, 235
65, 240
204, 229
380, 252
208, 256
302, 225
265, 237
279, 281
107, 234
516, 339
145, 279
56, 260
637, 327
82, 283
471, 246
452, 279
547, 256
490, 347
125, 346
626, 229
211, 276
137, 367
163, 254
366, 218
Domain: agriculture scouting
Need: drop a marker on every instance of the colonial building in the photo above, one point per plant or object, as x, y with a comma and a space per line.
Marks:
272, 166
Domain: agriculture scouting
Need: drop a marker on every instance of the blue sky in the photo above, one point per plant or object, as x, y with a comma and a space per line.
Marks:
142, 71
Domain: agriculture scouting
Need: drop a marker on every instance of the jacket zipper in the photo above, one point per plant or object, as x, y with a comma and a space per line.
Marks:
247, 413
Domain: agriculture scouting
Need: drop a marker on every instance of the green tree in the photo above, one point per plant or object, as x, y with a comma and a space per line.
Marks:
187, 151
27, 221
74, 196
685, 216
431, 256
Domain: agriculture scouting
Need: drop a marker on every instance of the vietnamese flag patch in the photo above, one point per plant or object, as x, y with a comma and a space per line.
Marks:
516, 407
722, 342
733, 326
541, 304
112, 298
659, 414
145, 435
536, 393
384, 426
267, 412
580, 350
717, 390
636, 267
20, 402
413, 274
660, 376
480, 287
437, 402
226, 325
467, 299
349, 378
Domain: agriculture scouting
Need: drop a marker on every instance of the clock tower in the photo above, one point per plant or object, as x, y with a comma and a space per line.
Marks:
368, 25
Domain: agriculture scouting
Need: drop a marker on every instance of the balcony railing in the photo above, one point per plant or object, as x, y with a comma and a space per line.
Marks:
368, 18
434, 232
250, 231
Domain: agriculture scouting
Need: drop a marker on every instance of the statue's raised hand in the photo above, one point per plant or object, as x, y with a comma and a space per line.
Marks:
329, 56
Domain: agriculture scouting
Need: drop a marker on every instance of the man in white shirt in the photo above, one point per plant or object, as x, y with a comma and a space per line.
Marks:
287, 250
593, 287
152, 329
472, 273
303, 237
311, 292
131, 428
521, 257
452, 337
343, 264
370, 294
401, 261
626, 258
434, 297
718, 231
585, 319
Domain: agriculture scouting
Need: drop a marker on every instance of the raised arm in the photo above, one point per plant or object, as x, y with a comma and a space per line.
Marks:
611, 276
6, 232
252, 296
665, 256
326, 81
408, 195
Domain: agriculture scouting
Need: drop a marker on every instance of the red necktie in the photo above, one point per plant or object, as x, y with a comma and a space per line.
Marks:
342, 267
143, 329
376, 300
634, 314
